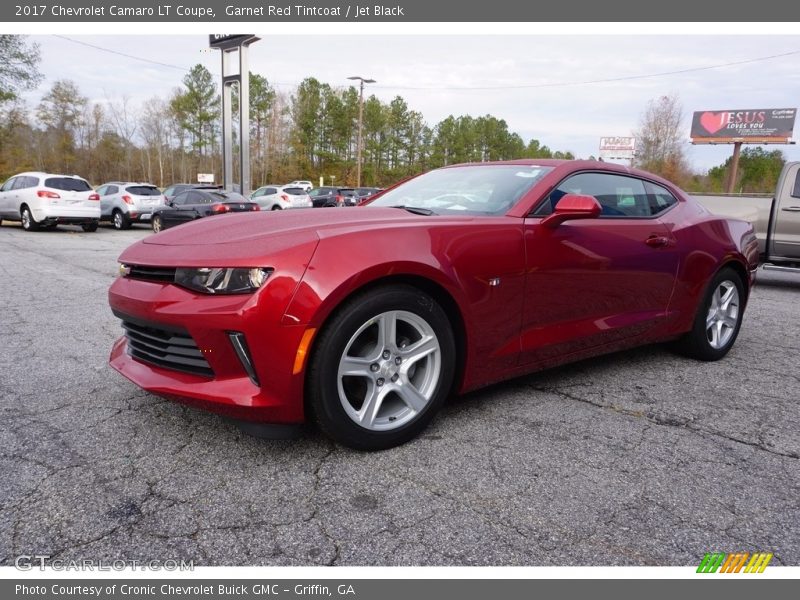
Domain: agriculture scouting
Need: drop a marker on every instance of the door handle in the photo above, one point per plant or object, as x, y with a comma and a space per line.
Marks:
792, 209
657, 241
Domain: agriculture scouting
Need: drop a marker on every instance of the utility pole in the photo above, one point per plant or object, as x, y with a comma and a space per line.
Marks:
360, 124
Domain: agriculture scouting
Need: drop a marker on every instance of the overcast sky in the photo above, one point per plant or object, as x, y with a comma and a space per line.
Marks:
427, 70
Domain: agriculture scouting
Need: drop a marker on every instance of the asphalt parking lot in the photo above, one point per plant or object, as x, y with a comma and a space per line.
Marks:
639, 458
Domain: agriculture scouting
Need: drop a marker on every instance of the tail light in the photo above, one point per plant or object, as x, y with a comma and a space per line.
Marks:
220, 208
127, 199
48, 194
284, 197
94, 196
255, 207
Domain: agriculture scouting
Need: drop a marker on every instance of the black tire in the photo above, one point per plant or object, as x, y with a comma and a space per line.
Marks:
276, 207
50, 226
700, 342
120, 220
157, 224
325, 405
28, 222
89, 227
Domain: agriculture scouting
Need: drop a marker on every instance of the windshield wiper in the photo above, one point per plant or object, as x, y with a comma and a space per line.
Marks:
417, 210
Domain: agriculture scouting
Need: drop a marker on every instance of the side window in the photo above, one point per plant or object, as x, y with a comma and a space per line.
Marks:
619, 195
26, 182
101, 190
270, 191
660, 198
195, 198
257, 194
8, 185
112, 189
170, 191
796, 189
180, 199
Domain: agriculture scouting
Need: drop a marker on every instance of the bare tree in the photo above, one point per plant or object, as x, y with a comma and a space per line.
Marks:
124, 119
660, 138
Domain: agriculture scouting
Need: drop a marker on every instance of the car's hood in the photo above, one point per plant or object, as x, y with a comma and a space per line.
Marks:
234, 237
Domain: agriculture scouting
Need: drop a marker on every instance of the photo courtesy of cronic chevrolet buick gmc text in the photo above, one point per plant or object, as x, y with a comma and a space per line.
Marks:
364, 320
46, 200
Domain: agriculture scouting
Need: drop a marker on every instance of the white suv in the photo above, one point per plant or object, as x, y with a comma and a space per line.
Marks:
278, 197
124, 203
306, 185
45, 200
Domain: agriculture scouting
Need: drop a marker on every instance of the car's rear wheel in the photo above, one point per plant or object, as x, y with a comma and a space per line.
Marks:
28, 222
381, 368
157, 224
276, 207
121, 221
718, 320
89, 227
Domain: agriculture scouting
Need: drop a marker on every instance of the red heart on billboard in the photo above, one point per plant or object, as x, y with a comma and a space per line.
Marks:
713, 122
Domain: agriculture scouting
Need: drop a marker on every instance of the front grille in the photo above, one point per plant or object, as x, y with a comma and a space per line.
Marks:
166, 274
174, 349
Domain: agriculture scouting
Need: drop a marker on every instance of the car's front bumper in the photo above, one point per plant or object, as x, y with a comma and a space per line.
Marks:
275, 397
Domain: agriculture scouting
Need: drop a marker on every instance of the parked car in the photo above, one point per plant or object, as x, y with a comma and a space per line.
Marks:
177, 188
45, 200
775, 218
278, 197
124, 203
362, 193
195, 204
332, 196
454, 279
306, 185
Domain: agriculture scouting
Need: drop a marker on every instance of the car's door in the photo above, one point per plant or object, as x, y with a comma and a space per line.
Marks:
107, 193
6, 196
196, 205
785, 236
596, 281
171, 214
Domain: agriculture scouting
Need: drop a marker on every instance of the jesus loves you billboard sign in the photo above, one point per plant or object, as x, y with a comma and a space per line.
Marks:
761, 125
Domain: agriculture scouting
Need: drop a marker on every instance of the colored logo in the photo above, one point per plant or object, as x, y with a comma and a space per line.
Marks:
734, 563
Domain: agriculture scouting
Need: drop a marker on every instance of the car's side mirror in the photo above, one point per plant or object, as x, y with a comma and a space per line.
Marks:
571, 207
168, 202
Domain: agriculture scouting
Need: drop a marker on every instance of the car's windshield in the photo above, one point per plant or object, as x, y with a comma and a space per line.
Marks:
472, 190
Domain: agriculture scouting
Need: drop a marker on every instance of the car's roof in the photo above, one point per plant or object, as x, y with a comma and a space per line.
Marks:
129, 183
43, 174
570, 166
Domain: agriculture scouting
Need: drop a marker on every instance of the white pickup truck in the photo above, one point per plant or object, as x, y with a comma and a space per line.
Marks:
776, 219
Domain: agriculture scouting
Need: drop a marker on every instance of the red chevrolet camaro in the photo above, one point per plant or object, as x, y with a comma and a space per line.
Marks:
363, 320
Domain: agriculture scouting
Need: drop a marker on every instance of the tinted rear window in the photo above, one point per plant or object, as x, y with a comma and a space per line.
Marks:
67, 184
228, 197
347, 192
295, 191
143, 190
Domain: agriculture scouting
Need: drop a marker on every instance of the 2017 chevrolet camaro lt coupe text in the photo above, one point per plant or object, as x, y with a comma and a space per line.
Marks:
364, 320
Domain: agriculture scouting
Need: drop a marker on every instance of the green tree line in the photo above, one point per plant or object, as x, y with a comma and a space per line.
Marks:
308, 133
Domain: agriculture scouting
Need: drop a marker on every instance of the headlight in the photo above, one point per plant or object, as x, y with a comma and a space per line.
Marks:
222, 280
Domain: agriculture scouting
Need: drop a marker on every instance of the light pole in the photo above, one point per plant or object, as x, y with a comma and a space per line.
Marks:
360, 121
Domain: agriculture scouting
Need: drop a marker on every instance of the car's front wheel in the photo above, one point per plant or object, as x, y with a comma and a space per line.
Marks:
718, 319
89, 227
156, 224
381, 368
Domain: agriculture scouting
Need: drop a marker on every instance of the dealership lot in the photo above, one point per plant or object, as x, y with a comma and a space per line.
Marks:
642, 457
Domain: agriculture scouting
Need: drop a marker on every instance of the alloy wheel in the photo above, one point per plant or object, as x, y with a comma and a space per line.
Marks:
389, 370
723, 314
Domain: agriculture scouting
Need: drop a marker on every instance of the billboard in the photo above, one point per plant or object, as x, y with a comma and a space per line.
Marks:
751, 126
617, 147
